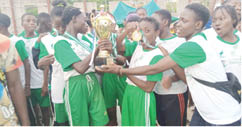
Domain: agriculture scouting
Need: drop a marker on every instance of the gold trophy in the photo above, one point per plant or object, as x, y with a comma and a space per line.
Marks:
102, 24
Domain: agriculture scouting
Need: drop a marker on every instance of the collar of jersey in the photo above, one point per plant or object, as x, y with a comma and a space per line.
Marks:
164, 39
69, 36
200, 34
227, 42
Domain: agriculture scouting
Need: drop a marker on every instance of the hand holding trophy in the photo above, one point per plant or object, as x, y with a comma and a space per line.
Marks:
102, 24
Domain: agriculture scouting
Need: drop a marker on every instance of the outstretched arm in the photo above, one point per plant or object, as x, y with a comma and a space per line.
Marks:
17, 96
164, 64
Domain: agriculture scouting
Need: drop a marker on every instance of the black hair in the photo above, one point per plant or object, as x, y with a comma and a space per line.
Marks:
43, 20
68, 14
89, 23
141, 8
201, 12
59, 6
26, 14
152, 21
43, 17
4, 20
231, 11
133, 17
165, 15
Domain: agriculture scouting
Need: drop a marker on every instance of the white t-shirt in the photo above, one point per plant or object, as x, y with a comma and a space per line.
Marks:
141, 57
78, 48
14, 39
57, 80
170, 44
36, 76
230, 53
201, 61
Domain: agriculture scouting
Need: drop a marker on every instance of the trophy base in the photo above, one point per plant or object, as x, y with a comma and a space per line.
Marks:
99, 61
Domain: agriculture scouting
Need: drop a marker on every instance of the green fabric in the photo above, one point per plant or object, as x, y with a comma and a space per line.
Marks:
65, 55
235, 31
43, 50
188, 54
84, 101
129, 47
36, 98
87, 40
20, 46
158, 76
113, 87
133, 107
174, 19
37, 45
60, 113
230, 43
151, 7
121, 12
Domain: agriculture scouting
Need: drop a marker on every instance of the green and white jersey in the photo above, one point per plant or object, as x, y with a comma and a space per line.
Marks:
201, 61
69, 50
88, 39
57, 80
211, 33
36, 76
20, 46
170, 44
230, 54
142, 57
130, 46
238, 33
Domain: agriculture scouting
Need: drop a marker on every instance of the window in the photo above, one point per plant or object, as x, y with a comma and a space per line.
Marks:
171, 6
31, 9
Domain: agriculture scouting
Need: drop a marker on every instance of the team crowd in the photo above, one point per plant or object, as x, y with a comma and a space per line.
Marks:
48, 75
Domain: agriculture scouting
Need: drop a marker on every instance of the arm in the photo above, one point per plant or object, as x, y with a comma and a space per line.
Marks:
27, 71
44, 58
45, 82
17, 96
130, 27
46, 61
164, 64
147, 86
186, 55
20, 46
179, 74
119, 40
82, 66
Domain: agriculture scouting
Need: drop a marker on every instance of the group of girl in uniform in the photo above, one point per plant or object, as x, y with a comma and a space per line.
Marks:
150, 77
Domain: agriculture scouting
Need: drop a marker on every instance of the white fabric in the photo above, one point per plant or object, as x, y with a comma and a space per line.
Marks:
230, 54
14, 39
142, 58
36, 76
177, 87
214, 106
80, 51
57, 80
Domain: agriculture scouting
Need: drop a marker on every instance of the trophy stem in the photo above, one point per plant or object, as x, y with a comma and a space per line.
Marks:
103, 58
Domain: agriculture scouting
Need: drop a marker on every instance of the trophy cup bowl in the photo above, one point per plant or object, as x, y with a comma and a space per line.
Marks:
102, 25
